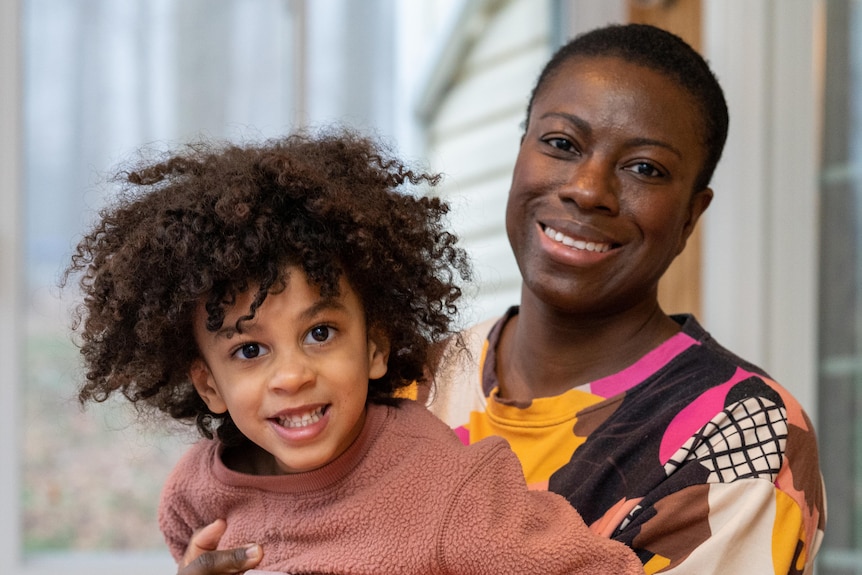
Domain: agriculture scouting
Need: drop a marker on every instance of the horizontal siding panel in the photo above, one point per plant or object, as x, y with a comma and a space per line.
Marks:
518, 24
479, 211
485, 152
494, 262
473, 139
486, 93
491, 303
496, 280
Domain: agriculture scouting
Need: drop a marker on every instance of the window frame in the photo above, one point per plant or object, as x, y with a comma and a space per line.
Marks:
10, 266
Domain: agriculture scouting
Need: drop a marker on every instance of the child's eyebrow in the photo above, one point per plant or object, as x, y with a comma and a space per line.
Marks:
321, 305
225, 332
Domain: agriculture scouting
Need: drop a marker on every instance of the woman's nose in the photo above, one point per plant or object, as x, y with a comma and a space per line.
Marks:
591, 185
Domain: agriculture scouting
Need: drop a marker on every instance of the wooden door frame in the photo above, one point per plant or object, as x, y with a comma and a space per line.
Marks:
680, 290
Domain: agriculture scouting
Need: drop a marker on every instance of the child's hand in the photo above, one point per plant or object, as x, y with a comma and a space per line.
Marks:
202, 557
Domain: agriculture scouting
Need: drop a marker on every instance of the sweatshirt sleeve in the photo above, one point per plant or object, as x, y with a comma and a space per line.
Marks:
178, 516
753, 529
744, 517
494, 524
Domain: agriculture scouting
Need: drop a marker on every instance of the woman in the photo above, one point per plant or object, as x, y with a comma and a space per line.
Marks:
658, 436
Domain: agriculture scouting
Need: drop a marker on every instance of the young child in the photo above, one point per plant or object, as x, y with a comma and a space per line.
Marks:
280, 296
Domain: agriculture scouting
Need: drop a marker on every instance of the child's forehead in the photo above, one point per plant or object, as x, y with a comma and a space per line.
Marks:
293, 286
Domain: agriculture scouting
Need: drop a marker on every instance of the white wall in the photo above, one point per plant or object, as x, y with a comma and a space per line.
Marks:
761, 231
474, 113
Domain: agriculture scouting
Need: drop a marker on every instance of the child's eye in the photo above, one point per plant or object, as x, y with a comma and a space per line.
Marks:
250, 351
319, 334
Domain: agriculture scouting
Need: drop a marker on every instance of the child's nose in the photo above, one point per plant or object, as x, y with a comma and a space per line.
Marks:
291, 374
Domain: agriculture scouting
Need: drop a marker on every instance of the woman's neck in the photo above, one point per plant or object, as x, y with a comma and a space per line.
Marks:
543, 352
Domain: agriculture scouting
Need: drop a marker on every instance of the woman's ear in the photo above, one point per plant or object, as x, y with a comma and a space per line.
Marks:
378, 354
202, 378
697, 205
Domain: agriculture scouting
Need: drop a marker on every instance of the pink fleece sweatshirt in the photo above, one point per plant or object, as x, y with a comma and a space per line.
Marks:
406, 498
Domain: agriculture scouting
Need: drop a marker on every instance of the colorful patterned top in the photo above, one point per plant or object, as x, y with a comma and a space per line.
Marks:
693, 457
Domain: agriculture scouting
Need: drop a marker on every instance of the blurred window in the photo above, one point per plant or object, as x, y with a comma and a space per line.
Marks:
840, 313
102, 79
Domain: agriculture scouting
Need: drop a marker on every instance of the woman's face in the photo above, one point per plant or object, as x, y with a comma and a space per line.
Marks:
602, 195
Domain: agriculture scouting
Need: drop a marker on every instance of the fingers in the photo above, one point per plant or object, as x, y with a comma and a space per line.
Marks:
227, 562
204, 539
203, 558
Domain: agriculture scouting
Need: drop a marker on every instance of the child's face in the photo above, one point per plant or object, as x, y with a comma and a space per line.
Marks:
295, 380
602, 196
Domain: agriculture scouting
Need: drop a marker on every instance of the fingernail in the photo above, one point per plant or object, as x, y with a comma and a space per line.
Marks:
252, 552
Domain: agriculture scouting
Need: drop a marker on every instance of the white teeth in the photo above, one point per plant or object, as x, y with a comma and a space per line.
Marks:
301, 420
573, 243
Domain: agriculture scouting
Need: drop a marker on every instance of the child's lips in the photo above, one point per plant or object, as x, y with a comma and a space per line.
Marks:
301, 416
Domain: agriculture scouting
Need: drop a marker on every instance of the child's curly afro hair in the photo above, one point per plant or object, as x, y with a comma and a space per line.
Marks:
214, 219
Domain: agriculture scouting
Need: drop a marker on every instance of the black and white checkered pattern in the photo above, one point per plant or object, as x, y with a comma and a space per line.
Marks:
745, 440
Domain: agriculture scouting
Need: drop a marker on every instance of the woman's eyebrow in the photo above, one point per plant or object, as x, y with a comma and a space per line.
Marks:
636, 142
577, 121
585, 127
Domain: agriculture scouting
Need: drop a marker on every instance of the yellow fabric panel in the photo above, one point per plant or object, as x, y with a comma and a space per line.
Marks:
409, 392
656, 564
542, 435
784, 538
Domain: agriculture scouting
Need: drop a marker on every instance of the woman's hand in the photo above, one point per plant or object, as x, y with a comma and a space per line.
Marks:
202, 557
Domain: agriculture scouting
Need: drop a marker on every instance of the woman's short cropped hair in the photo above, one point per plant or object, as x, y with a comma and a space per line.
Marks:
666, 53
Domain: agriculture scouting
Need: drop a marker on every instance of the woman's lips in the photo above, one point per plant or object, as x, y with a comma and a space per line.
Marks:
586, 245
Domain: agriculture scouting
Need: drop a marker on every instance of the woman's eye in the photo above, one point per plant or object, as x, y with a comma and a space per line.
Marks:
250, 351
319, 334
645, 169
561, 144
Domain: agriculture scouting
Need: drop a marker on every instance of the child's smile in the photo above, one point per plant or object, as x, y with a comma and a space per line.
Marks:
295, 378
303, 424
301, 419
